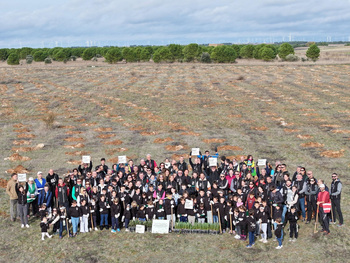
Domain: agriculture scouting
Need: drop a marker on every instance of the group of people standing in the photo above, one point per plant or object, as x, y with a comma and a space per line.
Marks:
247, 200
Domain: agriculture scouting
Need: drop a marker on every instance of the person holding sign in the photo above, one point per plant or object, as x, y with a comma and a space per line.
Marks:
197, 165
85, 167
11, 191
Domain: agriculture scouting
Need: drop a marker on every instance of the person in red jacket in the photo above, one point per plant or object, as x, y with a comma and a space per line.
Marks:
323, 197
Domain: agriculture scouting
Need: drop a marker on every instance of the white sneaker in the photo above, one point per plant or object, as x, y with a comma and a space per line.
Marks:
279, 247
237, 237
90, 229
50, 236
42, 238
96, 229
127, 230
264, 241
294, 239
261, 240
27, 226
22, 226
290, 239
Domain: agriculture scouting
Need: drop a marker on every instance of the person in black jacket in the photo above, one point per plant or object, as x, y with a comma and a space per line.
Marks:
251, 228
44, 225
279, 232
293, 226
74, 214
85, 169
52, 180
103, 212
84, 216
22, 203
115, 214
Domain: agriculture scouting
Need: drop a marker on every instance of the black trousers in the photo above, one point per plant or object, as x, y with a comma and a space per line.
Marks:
311, 207
293, 230
324, 219
336, 210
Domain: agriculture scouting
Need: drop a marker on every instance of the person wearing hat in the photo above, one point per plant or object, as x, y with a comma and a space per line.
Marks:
323, 197
336, 188
32, 196
11, 191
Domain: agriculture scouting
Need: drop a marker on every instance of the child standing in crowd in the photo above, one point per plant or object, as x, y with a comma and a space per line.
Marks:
103, 212
93, 213
263, 217
293, 226
279, 232
127, 217
84, 216
141, 214
201, 214
63, 221
181, 211
251, 228
22, 206
44, 225
160, 209
115, 214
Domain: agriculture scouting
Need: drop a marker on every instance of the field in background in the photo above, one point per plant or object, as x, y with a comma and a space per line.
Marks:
294, 112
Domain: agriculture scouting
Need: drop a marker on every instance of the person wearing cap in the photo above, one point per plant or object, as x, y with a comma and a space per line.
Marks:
32, 196
335, 195
11, 191
323, 197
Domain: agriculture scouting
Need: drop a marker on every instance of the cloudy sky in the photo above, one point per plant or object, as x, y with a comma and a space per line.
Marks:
43, 23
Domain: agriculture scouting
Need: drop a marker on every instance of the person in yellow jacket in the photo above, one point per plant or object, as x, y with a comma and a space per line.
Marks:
11, 191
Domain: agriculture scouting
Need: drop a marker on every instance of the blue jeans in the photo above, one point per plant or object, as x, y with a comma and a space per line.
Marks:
302, 206
183, 218
279, 241
285, 209
115, 223
127, 222
251, 237
104, 217
215, 219
62, 228
142, 219
75, 222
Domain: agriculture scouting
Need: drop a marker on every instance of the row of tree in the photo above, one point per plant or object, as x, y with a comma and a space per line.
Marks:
170, 53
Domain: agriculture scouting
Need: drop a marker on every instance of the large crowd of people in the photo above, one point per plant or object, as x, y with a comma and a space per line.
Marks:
247, 200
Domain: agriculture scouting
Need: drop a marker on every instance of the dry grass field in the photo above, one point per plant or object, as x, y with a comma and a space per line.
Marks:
294, 112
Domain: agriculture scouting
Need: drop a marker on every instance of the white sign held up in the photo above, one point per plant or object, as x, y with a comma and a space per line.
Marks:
261, 162
195, 151
122, 159
188, 204
22, 177
160, 226
86, 159
213, 161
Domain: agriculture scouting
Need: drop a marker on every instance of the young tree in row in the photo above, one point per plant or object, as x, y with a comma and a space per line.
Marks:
223, 54
284, 50
163, 55
313, 52
113, 55
13, 59
191, 52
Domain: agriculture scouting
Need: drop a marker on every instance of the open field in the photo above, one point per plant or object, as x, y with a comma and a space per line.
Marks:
294, 112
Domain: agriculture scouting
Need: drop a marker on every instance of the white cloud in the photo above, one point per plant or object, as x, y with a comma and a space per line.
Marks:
163, 21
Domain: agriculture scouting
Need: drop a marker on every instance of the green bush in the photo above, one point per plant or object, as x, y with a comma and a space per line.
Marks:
191, 52
88, 53
267, 54
3, 54
13, 59
113, 55
176, 51
292, 58
205, 57
145, 55
313, 52
40, 55
223, 54
163, 55
284, 50
247, 51
129, 54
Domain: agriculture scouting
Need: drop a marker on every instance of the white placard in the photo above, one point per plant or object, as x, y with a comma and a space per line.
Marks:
261, 162
213, 161
188, 204
195, 151
22, 177
86, 159
160, 226
140, 229
122, 159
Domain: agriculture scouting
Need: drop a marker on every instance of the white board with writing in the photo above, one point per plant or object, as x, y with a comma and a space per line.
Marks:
140, 229
261, 162
22, 177
86, 159
188, 204
122, 159
213, 161
195, 151
160, 226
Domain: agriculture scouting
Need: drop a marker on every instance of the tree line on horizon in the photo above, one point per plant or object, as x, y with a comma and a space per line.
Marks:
159, 54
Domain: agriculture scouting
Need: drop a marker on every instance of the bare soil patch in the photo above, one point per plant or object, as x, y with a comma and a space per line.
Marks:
312, 145
214, 140
113, 151
115, 142
18, 169
22, 142
17, 157
333, 154
74, 139
160, 140
106, 136
229, 148
72, 146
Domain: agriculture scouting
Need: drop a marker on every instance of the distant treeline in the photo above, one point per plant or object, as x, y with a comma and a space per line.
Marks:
171, 53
